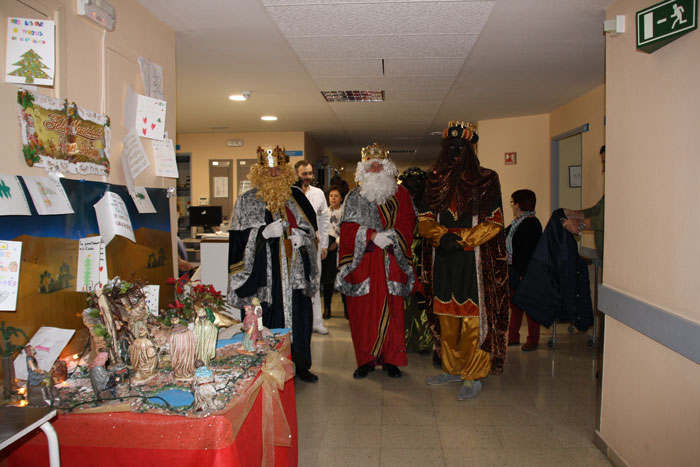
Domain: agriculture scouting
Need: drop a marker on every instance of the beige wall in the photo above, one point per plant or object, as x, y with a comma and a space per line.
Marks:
79, 78
529, 138
589, 108
651, 407
205, 146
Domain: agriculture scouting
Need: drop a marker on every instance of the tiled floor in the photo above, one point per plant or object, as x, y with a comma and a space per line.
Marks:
540, 412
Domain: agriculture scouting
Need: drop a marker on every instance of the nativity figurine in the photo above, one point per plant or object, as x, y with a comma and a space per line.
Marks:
206, 334
40, 390
252, 324
205, 400
100, 377
144, 357
183, 347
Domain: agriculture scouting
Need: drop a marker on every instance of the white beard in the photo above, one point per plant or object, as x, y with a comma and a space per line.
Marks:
377, 187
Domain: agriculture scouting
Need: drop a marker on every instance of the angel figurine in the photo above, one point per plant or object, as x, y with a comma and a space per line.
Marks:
204, 390
252, 324
206, 334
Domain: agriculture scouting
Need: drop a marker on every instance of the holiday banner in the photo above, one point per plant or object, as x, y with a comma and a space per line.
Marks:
29, 55
61, 136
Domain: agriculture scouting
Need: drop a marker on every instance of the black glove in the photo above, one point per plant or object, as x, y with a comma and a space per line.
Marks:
449, 243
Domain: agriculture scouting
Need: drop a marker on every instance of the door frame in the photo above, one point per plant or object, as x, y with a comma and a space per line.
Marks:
554, 161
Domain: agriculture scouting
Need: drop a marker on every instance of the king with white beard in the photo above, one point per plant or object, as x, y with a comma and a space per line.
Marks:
374, 267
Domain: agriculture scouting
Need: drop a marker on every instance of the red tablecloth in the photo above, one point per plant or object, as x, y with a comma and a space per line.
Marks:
123, 438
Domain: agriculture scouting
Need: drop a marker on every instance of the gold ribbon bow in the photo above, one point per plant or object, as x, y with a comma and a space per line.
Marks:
276, 370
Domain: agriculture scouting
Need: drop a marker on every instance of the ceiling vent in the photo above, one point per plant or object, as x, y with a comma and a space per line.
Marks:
98, 11
353, 96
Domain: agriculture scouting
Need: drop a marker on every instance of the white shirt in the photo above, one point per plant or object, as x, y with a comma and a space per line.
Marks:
318, 201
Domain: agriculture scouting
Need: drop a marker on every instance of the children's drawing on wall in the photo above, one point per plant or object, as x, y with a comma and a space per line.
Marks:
10, 258
62, 136
89, 250
48, 195
52, 260
49, 283
12, 199
30, 56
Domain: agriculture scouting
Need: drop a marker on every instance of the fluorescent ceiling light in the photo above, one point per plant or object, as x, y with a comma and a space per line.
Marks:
268, 118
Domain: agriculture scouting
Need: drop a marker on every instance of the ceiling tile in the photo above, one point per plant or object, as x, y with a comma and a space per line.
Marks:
381, 18
401, 47
344, 68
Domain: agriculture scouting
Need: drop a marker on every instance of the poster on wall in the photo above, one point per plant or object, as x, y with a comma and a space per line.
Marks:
12, 199
30, 53
10, 260
48, 195
61, 136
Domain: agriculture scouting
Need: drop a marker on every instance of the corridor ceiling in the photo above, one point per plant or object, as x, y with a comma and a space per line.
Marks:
435, 61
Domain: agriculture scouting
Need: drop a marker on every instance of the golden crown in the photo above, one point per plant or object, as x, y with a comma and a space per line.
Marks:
464, 130
272, 157
374, 151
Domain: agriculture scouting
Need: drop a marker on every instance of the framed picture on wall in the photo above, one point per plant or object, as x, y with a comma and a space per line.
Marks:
574, 176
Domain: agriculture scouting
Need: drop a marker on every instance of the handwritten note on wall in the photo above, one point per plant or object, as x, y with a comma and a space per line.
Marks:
113, 218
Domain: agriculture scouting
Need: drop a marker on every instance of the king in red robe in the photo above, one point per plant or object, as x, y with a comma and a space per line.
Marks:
375, 271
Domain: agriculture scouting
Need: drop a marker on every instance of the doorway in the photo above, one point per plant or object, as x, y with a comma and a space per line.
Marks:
220, 185
567, 170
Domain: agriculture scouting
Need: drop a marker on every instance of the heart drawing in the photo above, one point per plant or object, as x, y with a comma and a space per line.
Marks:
145, 119
153, 126
144, 130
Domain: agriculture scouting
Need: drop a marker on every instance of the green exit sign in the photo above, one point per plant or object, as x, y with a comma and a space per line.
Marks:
665, 22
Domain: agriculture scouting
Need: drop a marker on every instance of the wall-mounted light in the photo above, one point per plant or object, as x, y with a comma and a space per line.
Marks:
268, 118
244, 96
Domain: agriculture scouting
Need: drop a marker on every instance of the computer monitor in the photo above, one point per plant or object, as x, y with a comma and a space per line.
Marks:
205, 216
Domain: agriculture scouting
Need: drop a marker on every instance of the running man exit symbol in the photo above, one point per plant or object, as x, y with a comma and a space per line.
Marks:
665, 22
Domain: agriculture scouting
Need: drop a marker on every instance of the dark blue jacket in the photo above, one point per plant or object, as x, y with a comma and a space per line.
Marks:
556, 285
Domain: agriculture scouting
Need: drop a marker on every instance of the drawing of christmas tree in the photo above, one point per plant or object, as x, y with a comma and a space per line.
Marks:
87, 278
30, 67
4, 190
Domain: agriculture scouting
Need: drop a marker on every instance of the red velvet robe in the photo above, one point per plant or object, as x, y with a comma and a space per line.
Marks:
376, 311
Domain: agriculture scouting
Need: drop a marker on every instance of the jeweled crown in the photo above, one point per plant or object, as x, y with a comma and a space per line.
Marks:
374, 151
464, 130
272, 157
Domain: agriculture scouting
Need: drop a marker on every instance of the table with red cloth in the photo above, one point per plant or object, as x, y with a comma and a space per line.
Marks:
143, 439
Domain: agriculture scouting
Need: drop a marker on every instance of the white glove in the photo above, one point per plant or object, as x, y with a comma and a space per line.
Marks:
296, 238
382, 239
273, 230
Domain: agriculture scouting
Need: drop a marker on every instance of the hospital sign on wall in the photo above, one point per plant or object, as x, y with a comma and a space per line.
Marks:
665, 22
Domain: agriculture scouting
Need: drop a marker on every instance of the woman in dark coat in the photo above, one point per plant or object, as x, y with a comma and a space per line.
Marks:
522, 236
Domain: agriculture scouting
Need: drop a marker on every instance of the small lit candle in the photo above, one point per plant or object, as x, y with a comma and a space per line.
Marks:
76, 356
21, 391
23, 402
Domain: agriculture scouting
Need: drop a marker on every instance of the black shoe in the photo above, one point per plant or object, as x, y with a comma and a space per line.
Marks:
392, 370
307, 377
363, 371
